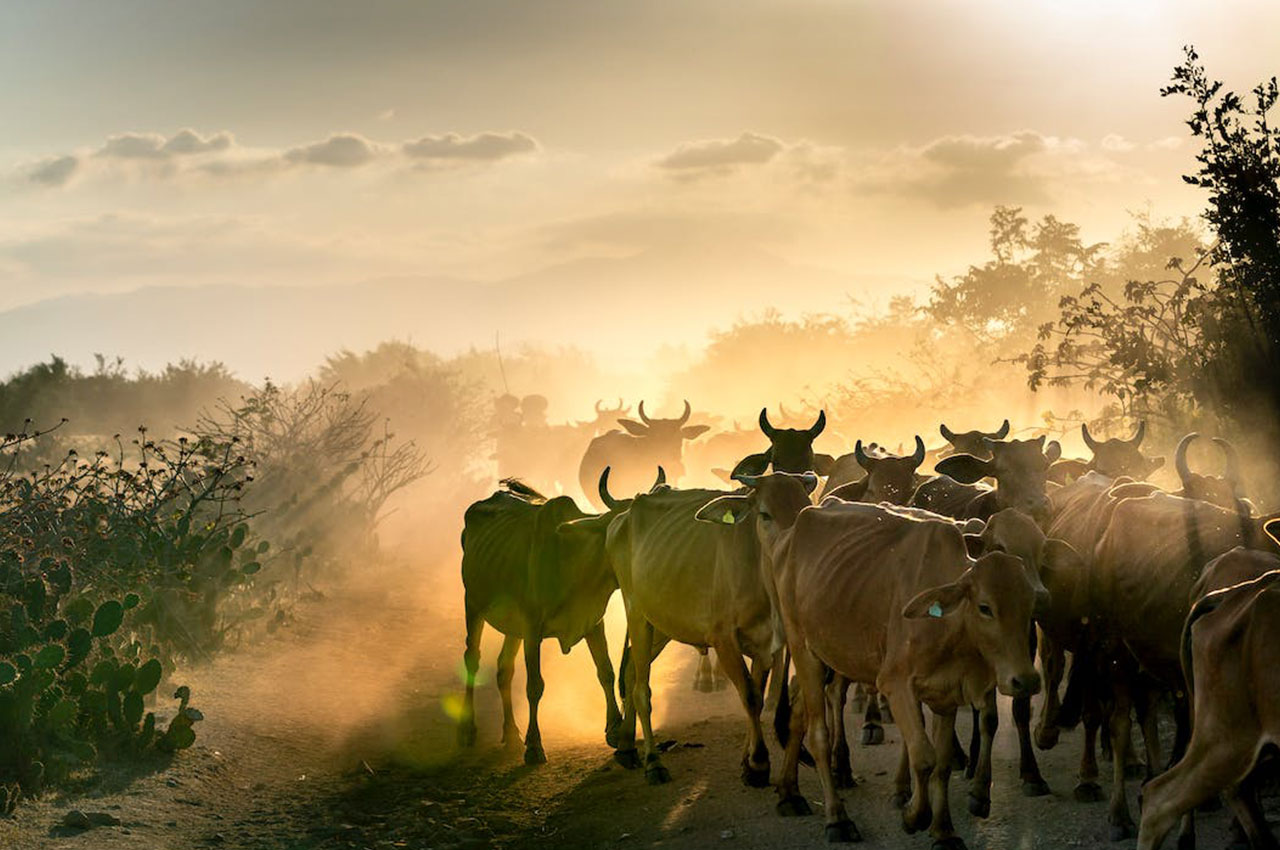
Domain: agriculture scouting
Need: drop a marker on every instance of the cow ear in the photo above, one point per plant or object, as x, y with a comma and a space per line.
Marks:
964, 468
723, 474
1153, 464
633, 427
823, 463
975, 544
1053, 451
583, 527
752, 464
939, 601
693, 432
724, 510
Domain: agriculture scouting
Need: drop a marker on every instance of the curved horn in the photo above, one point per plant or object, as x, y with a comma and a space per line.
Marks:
603, 489
619, 407
1180, 458
918, 457
1088, 438
643, 418
947, 433
599, 402
1230, 464
661, 479
818, 426
765, 427
861, 456
1136, 439
688, 411
1002, 432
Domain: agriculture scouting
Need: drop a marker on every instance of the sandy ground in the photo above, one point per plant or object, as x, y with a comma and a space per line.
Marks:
337, 734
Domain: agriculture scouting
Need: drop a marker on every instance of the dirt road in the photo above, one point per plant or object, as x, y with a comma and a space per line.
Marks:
338, 735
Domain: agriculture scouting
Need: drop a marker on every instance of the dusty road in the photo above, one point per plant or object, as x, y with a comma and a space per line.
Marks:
337, 735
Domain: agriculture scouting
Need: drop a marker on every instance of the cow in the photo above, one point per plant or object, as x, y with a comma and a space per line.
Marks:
1114, 457
875, 476
699, 583
1152, 553
633, 455
876, 594
1230, 652
1019, 467
970, 442
790, 450
1224, 489
531, 582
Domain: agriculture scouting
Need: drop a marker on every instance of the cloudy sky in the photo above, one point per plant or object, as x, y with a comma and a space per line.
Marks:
303, 142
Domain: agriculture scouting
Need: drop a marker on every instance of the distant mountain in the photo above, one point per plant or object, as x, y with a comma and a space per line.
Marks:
624, 307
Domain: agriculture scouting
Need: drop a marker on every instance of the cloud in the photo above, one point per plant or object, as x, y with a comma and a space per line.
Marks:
721, 155
1117, 143
191, 142
341, 150
154, 146
486, 147
55, 171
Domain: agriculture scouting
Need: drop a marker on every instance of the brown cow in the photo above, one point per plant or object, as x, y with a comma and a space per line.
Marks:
1231, 655
1020, 468
1114, 457
632, 456
790, 450
876, 476
971, 442
875, 594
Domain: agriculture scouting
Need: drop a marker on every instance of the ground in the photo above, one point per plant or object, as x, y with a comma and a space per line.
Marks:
337, 734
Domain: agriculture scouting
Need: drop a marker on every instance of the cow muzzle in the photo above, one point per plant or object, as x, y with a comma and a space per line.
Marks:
1023, 684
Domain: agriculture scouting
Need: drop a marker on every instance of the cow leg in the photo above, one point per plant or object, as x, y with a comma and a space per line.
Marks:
790, 801
923, 759
625, 750
841, 766
970, 765
811, 673
858, 704
1033, 784
774, 691
702, 680
987, 722
1121, 725
1250, 819
942, 830
598, 644
1148, 722
471, 660
642, 639
1053, 663
1213, 762
506, 670
1087, 789
872, 721
902, 779
755, 756
533, 688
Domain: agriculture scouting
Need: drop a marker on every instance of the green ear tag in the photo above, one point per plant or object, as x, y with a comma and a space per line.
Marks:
935, 610
728, 518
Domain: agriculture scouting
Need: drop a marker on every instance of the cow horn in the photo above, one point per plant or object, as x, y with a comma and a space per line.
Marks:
1136, 439
861, 456
918, 457
688, 411
599, 402
819, 425
810, 481
1088, 438
603, 489
947, 433
660, 480
765, 427
1002, 432
1230, 464
1180, 458
643, 418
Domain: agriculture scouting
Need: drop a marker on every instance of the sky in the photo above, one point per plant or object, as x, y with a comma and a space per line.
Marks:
859, 145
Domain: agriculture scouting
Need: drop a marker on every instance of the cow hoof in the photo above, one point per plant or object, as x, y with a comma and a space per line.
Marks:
1135, 770
1121, 831
794, 805
978, 807
1047, 739
843, 777
842, 832
952, 842
534, 755
900, 799
1035, 787
656, 774
630, 759
872, 735
755, 777
1088, 792
467, 736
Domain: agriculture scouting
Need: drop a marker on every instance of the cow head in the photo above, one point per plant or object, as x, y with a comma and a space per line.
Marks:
773, 500
666, 436
790, 450
606, 417
1055, 569
1116, 456
1020, 468
618, 505
994, 599
972, 442
889, 478
1221, 490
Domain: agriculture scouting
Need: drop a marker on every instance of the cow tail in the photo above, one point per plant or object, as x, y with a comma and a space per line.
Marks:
782, 714
1204, 605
